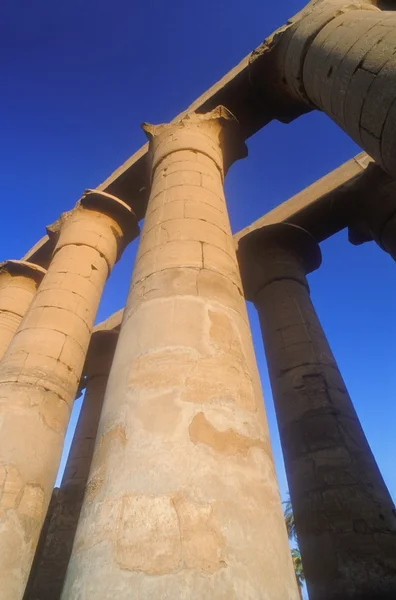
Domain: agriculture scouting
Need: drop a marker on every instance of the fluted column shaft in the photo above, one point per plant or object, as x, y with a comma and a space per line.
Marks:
40, 373
19, 281
343, 512
47, 580
182, 499
339, 56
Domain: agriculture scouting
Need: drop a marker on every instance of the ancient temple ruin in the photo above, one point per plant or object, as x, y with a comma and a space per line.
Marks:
170, 491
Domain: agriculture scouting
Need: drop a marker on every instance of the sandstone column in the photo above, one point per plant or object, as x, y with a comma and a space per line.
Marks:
344, 516
40, 373
182, 499
339, 56
375, 211
19, 281
47, 580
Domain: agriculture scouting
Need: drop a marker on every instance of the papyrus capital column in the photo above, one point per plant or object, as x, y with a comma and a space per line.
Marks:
182, 498
344, 515
214, 134
41, 370
275, 253
19, 281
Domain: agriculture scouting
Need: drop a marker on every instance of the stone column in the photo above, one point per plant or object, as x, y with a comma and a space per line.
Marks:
47, 580
339, 56
344, 515
375, 211
19, 281
182, 499
40, 373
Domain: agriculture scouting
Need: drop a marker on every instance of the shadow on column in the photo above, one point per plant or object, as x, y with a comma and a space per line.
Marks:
57, 536
344, 515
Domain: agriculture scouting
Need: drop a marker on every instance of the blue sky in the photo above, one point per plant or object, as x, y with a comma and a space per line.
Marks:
80, 76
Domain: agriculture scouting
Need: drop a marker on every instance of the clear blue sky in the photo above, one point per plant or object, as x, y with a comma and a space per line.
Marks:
78, 77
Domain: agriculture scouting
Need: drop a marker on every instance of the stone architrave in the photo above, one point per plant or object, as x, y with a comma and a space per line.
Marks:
340, 56
41, 370
344, 515
47, 580
182, 499
19, 281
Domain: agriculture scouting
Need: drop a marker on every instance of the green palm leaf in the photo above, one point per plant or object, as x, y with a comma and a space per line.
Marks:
295, 552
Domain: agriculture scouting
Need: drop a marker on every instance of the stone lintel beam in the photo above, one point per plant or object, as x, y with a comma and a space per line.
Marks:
252, 106
267, 84
323, 208
320, 208
112, 322
41, 252
129, 181
243, 90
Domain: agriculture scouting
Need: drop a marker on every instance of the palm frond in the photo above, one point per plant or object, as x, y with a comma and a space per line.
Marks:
295, 552
289, 520
298, 568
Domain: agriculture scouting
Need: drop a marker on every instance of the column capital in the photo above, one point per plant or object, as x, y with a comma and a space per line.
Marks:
23, 267
104, 205
375, 215
276, 252
19, 281
111, 205
216, 134
102, 202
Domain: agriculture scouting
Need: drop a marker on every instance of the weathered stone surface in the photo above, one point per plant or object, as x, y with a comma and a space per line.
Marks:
338, 56
19, 281
56, 540
182, 499
40, 373
345, 518
325, 207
